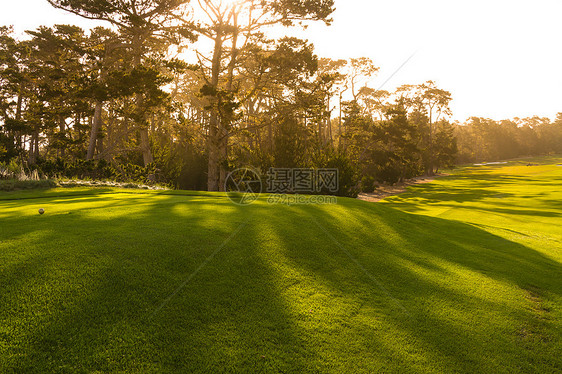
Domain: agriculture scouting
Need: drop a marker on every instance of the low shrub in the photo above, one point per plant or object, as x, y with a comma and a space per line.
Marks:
16, 185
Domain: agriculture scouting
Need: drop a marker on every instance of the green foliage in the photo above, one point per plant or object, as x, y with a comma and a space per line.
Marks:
79, 169
301, 9
14, 176
18, 185
399, 139
445, 146
121, 13
384, 150
347, 171
141, 79
368, 184
8, 149
292, 143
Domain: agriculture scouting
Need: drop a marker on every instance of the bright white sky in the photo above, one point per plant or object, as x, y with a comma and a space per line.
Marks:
499, 58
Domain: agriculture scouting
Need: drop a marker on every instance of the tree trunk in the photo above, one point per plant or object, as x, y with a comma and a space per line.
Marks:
145, 147
96, 126
320, 137
223, 129
340, 140
18, 116
143, 129
62, 130
213, 163
429, 169
269, 136
34, 147
30, 157
330, 138
223, 167
213, 139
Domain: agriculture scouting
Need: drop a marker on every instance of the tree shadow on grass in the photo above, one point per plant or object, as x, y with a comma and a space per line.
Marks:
456, 241
503, 211
464, 191
437, 194
96, 311
417, 268
51, 193
281, 289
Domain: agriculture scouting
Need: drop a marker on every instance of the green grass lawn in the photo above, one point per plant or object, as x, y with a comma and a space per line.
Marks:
460, 275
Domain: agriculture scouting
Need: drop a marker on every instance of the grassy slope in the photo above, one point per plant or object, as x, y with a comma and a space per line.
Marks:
470, 282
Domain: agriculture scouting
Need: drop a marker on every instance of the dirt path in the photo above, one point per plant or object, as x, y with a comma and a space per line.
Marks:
385, 191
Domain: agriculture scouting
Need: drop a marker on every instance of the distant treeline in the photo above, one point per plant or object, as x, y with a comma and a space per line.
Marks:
483, 139
119, 103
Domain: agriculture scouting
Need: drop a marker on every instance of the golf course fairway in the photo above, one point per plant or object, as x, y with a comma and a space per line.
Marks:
461, 275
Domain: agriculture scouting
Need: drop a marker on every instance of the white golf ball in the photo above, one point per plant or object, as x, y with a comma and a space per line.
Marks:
41, 210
